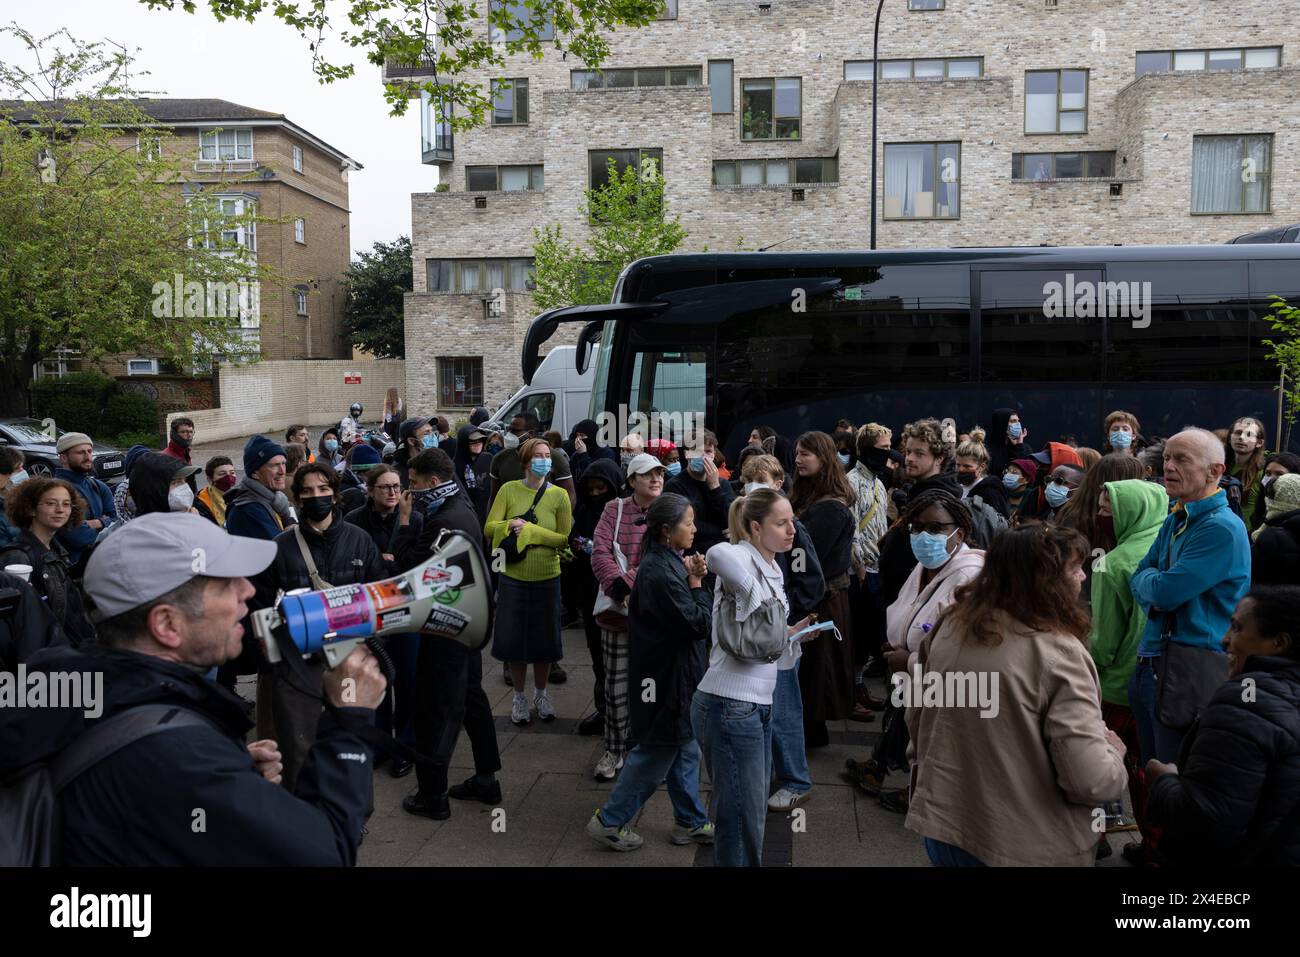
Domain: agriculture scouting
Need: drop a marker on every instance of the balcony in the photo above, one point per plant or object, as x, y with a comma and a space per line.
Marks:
225, 166
437, 144
406, 75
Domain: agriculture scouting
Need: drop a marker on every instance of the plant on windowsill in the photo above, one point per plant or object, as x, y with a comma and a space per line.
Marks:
1285, 319
753, 122
442, 188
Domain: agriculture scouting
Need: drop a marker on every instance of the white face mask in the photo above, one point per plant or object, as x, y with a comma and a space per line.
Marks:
751, 486
180, 499
511, 440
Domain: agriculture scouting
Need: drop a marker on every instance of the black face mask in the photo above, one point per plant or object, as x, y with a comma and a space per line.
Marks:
315, 509
876, 460
966, 478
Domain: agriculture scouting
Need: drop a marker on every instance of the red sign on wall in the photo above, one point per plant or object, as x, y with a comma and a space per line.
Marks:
351, 379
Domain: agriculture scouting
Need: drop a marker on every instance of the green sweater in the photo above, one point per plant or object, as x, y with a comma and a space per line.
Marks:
550, 533
1249, 496
1140, 508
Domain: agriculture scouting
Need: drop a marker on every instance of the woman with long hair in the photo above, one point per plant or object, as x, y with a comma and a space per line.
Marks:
670, 618
731, 713
1032, 746
394, 413
1080, 510
823, 500
1245, 453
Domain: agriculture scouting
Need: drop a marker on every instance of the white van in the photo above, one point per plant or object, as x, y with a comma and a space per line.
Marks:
558, 394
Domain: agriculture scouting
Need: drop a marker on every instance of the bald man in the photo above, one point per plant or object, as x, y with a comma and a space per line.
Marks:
1189, 583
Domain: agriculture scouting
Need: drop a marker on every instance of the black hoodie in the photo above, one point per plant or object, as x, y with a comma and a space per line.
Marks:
896, 557
1001, 449
479, 466
587, 515
151, 481
136, 807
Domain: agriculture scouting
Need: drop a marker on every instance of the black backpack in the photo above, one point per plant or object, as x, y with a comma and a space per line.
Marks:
28, 808
1233, 488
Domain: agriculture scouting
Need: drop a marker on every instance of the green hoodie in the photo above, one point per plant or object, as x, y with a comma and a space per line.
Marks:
1139, 508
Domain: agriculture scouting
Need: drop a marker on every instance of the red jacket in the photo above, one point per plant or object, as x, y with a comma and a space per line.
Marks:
177, 452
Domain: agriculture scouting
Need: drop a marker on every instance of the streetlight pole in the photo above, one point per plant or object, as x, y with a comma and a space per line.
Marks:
875, 96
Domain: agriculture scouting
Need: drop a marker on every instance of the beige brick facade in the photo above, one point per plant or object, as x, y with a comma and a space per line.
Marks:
1149, 122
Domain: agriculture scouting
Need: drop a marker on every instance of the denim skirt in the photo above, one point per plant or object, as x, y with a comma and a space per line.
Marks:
527, 626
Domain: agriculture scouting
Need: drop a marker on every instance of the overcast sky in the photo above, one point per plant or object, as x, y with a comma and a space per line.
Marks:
265, 65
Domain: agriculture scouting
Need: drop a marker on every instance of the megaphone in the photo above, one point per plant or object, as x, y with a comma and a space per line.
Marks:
448, 596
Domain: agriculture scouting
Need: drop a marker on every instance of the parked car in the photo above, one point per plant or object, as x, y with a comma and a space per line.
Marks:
30, 438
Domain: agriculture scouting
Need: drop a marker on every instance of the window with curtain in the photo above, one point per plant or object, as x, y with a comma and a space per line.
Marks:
922, 181
1236, 58
478, 275
1056, 101
1231, 174
775, 171
226, 145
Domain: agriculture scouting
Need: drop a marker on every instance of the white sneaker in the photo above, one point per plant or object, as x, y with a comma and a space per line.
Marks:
615, 838
542, 702
787, 800
519, 709
608, 766
683, 835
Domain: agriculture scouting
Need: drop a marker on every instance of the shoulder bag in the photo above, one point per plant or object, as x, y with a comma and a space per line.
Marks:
759, 637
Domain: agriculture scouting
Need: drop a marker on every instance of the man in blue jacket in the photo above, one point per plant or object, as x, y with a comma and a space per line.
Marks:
77, 465
1197, 570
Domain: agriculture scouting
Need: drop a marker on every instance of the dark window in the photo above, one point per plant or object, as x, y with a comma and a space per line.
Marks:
1195, 329
1022, 341
1039, 166
480, 178
1269, 277
460, 381
1152, 62
644, 160
509, 102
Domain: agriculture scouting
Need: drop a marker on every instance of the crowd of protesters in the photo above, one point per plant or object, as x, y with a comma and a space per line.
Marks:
1119, 598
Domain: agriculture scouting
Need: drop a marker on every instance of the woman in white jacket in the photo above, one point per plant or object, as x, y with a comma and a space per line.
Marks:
731, 713
938, 524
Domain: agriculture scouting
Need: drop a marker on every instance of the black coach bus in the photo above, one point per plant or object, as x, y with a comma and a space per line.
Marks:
1064, 335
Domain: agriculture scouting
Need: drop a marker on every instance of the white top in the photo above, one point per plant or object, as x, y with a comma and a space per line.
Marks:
737, 566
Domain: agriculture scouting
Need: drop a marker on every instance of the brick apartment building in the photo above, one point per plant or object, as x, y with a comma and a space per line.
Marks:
248, 156
1001, 122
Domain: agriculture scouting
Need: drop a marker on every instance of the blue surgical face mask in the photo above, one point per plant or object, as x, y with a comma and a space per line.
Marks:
1120, 439
1011, 481
674, 468
696, 466
541, 466
19, 477
430, 441
1056, 494
931, 548
844, 458
331, 445
1015, 430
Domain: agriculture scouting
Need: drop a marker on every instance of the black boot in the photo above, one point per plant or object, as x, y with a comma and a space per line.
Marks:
438, 808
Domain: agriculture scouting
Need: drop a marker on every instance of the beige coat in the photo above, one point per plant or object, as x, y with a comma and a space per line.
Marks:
1023, 787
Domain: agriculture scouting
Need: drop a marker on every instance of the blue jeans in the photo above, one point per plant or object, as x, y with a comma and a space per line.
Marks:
643, 769
736, 739
789, 759
949, 855
1155, 739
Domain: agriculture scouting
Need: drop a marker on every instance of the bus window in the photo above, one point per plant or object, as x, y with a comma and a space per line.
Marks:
1268, 278
668, 386
1033, 329
1194, 329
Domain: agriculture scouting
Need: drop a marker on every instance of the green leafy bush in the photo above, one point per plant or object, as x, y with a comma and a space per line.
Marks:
128, 439
131, 412
75, 402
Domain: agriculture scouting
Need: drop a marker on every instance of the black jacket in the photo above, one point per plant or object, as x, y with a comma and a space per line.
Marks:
830, 525
380, 528
896, 557
478, 483
1236, 798
455, 513
590, 507
669, 624
1275, 555
140, 807
992, 492
52, 580
806, 588
28, 628
710, 507
1001, 449
344, 555
352, 490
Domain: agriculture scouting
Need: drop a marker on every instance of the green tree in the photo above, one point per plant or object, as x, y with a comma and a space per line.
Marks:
1285, 320
627, 223
445, 35
376, 283
95, 231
